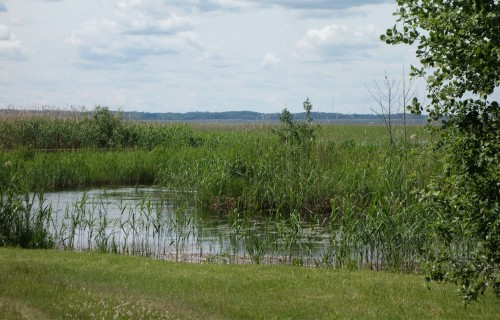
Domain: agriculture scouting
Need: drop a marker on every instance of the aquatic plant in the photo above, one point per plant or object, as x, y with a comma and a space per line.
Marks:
350, 183
20, 223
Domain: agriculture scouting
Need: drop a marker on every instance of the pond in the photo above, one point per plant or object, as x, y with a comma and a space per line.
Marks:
166, 224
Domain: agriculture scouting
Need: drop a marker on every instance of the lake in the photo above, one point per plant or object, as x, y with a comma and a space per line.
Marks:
167, 224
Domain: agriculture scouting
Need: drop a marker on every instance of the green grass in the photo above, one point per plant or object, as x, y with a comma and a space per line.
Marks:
350, 179
245, 163
54, 284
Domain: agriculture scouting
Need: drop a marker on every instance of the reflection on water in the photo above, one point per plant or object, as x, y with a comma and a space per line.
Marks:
166, 224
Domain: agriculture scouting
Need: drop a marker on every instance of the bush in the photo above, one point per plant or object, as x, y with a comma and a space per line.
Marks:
107, 127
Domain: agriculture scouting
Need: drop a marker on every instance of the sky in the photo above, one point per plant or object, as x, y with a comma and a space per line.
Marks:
193, 55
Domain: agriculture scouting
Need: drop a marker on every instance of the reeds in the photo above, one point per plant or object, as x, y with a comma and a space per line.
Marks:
386, 234
100, 129
21, 224
350, 185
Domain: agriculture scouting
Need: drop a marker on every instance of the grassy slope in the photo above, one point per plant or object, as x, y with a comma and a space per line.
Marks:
55, 284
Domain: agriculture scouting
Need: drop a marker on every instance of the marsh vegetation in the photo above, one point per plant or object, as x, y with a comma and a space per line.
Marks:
295, 193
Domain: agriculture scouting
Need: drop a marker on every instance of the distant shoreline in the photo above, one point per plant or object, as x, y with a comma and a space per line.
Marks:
230, 116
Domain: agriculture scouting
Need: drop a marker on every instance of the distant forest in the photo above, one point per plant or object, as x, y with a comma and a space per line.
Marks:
250, 116
231, 116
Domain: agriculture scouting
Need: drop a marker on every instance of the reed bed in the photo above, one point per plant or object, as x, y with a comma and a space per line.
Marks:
162, 225
350, 183
247, 170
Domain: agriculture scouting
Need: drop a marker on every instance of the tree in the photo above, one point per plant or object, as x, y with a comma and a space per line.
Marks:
393, 96
297, 133
106, 127
458, 46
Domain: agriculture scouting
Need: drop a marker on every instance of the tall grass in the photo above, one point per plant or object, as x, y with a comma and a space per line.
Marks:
385, 235
21, 224
351, 182
249, 169
87, 130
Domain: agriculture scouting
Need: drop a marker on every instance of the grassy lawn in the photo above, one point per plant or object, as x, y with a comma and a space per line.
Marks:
69, 285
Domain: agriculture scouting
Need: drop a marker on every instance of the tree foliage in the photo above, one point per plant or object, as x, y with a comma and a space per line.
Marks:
297, 133
107, 126
458, 46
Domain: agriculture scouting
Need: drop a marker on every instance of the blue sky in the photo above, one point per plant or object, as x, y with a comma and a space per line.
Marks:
193, 55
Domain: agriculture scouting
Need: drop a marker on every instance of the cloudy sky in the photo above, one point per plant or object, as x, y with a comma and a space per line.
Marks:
195, 55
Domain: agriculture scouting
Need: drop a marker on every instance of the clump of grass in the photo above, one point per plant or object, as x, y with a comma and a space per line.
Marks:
20, 223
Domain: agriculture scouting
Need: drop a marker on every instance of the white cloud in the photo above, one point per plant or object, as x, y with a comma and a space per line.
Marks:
319, 4
150, 17
5, 34
215, 57
213, 5
135, 31
338, 41
10, 47
143, 25
244, 5
270, 60
341, 34
211, 55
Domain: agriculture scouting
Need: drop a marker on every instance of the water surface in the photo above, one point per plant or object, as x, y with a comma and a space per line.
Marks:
167, 224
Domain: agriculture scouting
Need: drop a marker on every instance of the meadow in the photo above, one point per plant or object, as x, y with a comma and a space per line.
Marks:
53, 284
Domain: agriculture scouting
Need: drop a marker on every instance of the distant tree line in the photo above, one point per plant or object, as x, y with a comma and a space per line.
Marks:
222, 116
257, 116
